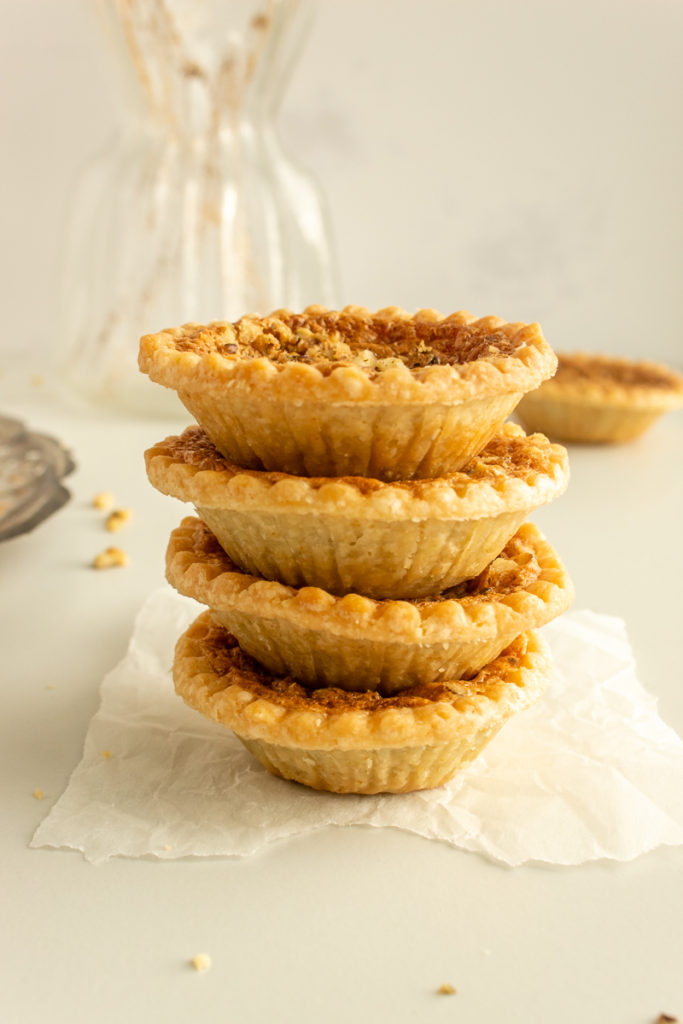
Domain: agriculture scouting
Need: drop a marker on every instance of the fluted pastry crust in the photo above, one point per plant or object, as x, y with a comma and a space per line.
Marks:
356, 742
597, 398
326, 393
356, 643
402, 539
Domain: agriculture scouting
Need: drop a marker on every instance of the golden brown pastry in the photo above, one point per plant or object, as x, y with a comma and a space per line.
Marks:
355, 742
383, 395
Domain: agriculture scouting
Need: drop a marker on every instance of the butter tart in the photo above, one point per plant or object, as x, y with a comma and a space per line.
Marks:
348, 742
402, 539
600, 399
355, 643
383, 395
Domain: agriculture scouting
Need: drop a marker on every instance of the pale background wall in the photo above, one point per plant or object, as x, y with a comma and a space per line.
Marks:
521, 158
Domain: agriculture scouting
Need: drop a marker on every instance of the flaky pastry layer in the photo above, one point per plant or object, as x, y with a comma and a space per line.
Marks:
357, 643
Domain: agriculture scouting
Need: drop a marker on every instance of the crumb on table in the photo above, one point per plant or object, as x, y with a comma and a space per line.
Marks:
110, 558
446, 990
103, 500
117, 519
38, 794
201, 962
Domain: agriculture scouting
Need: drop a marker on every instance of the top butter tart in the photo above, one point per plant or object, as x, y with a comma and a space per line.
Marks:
384, 395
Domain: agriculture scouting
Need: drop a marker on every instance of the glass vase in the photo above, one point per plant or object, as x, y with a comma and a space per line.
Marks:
194, 212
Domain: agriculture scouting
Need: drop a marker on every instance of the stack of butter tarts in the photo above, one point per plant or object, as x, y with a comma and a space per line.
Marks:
361, 543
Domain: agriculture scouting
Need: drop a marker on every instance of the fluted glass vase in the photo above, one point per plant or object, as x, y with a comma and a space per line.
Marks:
194, 212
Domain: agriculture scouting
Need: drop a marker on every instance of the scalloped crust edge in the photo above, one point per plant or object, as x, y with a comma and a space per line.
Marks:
187, 371
218, 583
452, 497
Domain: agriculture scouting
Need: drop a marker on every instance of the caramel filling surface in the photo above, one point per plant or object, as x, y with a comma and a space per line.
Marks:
602, 369
334, 339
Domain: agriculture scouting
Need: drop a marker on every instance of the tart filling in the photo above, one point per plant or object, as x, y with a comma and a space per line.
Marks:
601, 398
356, 643
404, 539
328, 393
355, 742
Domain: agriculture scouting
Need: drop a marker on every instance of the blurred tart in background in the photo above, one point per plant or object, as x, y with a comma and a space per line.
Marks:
601, 399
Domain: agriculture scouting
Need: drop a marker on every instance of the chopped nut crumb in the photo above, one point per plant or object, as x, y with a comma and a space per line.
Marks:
118, 518
38, 794
446, 990
103, 500
110, 558
201, 962
666, 1018
106, 754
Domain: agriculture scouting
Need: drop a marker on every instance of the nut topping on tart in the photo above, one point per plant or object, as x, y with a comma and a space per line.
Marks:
374, 341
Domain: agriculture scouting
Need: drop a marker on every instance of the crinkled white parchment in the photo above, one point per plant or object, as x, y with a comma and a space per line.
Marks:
589, 772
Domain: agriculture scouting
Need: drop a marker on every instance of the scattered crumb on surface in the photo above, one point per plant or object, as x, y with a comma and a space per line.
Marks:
110, 558
446, 990
167, 846
117, 519
38, 794
666, 1018
201, 962
103, 500
106, 754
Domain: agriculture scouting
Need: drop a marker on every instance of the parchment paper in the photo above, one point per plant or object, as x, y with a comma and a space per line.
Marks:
589, 772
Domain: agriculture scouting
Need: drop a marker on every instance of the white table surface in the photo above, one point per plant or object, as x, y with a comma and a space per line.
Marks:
345, 924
